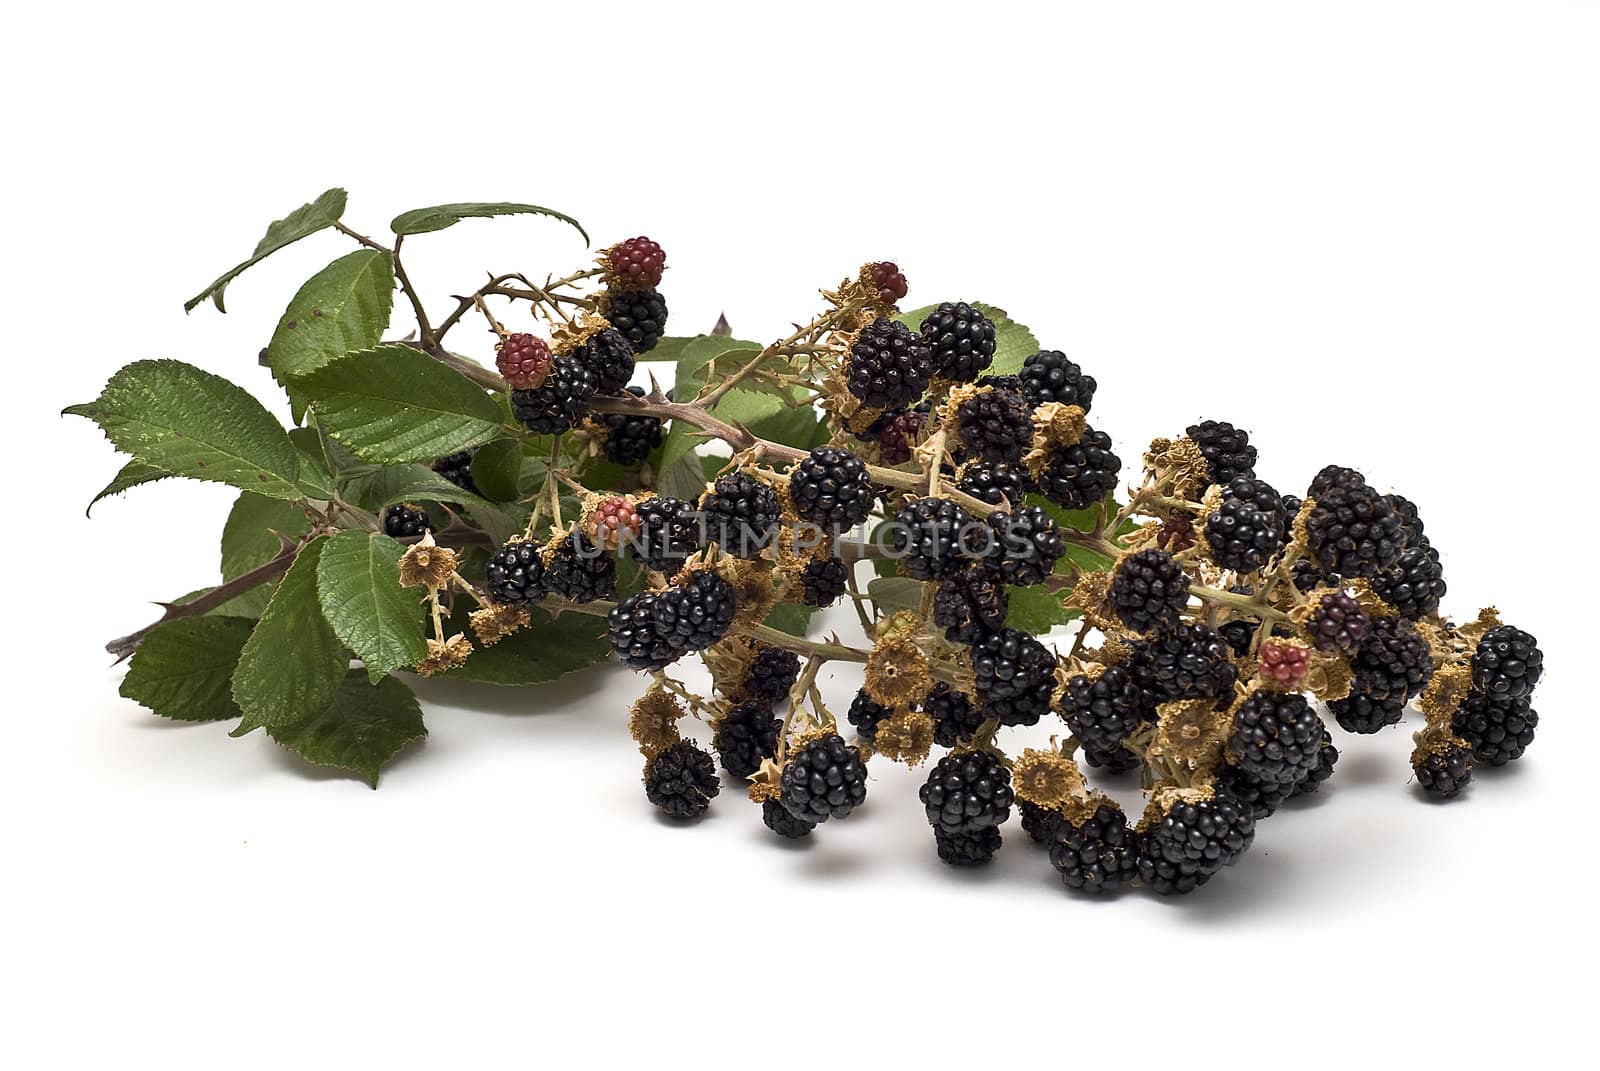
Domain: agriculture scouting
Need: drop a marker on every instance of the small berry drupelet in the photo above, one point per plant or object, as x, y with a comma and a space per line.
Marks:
523, 360
635, 638
558, 403
1079, 476
668, 533
1227, 450
1095, 853
1015, 677
609, 356
630, 438
1497, 730
823, 779
1191, 837
955, 718
457, 468
1149, 589
995, 424
1190, 661
697, 612
968, 791
1507, 663
1392, 665
784, 824
1443, 769
1028, 545
1352, 531
1048, 376
1414, 584
1276, 738
1338, 623
967, 849
746, 735
866, 713
934, 538
830, 489
962, 340
888, 280
681, 780
636, 264
1103, 711
741, 514
403, 522
994, 483
1247, 527
516, 573
639, 315
823, 582
970, 605
772, 673
888, 365
579, 569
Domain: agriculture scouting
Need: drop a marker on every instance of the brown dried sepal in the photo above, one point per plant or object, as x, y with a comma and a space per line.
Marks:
1055, 427
1444, 693
1046, 778
496, 621
1475, 630
1435, 739
897, 673
906, 737
754, 587
1177, 467
566, 337
729, 661
1164, 797
444, 655
653, 721
1191, 731
1362, 592
425, 564
1328, 676
1090, 595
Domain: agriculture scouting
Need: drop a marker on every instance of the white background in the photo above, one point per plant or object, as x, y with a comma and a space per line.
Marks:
1367, 232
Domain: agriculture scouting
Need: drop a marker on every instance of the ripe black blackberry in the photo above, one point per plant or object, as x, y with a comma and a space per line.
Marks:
579, 569
934, 538
823, 581
1327, 758
1261, 798
1414, 584
404, 522
630, 438
1048, 376
967, 849
1410, 519
635, 639
993, 483
1079, 476
1247, 527
1276, 738
1497, 730
1308, 575
1507, 663
608, 355
895, 432
669, 532
1443, 769
1338, 623
1190, 839
1148, 590
1239, 633
515, 574
745, 735
1039, 823
967, 791
457, 468
697, 612
1352, 531
1103, 711
1098, 854
1392, 665
1227, 449
771, 674
955, 718
740, 514
783, 823
830, 488
888, 365
1190, 661
970, 605
681, 780
640, 316
1028, 545
1015, 677
962, 340
995, 424
824, 779
554, 406
865, 714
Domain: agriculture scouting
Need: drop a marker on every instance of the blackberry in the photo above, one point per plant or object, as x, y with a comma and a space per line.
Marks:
865, 713
1338, 624
970, 605
1410, 519
823, 581
1048, 376
404, 522
1188, 662
772, 673
1239, 633
1227, 450
579, 569
637, 263
830, 488
640, 316
635, 639
608, 355
515, 574
681, 780
1029, 545
1103, 711
934, 538
523, 360
888, 366
457, 468
1247, 527
669, 530
1308, 575
824, 779
888, 280
1039, 823
1443, 770
1497, 730
1261, 798
741, 514
1352, 531
1098, 854
1011, 383
1327, 757
967, 849
895, 432
1079, 476
1015, 677
556, 404
783, 823
745, 735
697, 612
966, 792
1192, 839
1149, 589
993, 483
962, 340
630, 438
995, 424
955, 718
1276, 738
1507, 663
1414, 584
1392, 665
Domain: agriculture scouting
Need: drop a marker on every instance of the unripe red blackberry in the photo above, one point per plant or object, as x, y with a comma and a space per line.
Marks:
667, 535
1352, 531
1015, 677
579, 569
1497, 730
1103, 711
970, 605
635, 638
697, 612
888, 280
995, 424
955, 719
1079, 476
1507, 663
1276, 738
1048, 376
681, 780
639, 315
993, 482
1283, 665
404, 522
933, 538
613, 522
740, 514
1227, 450
515, 574
1338, 623
962, 340
888, 365
609, 356
523, 360
823, 582
1028, 543
824, 779
745, 736
830, 489
1097, 853
966, 792
636, 264
1392, 665
560, 401
1149, 589
1247, 527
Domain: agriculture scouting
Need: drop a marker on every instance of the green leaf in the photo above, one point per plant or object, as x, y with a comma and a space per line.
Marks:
1013, 343
395, 403
305, 220
1036, 610
791, 617
133, 474
248, 536
497, 470
437, 218
360, 730
358, 580
293, 662
547, 650
341, 309
695, 360
389, 485
177, 417
182, 669
894, 593
316, 480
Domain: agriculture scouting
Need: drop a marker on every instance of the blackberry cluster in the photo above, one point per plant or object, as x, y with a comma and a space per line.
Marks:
896, 432
1327, 758
578, 569
1099, 854
1190, 661
559, 401
681, 780
740, 514
1392, 665
1410, 519
1081, 475
962, 340
824, 779
1507, 663
1028, 545
865, 713
523, 360
970, 605
1247, 527
1414, 584
1352, 531
404, 522
784, 824
1228, 453
968, 791
1497, 730
457, 468
1261, 798
955, 719
1102, 712
635, 638
889, 366
772, 673
967, 849
1239, 633
696, 613
1015, 677
630, 438
745, 735
1444, 771
1276, 738
637, 263
1338, 623
515, 574
823, 582
933, 538
1191, 841
1039, 823
609, 356
995, 424
993, 483
830, 488
1149, 590
640, 316
1048, 376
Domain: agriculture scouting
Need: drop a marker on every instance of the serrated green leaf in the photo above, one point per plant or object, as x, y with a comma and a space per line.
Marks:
358, 581
894, 593
360, 730
395, 403
497, 470
341, 309
791, 617
177, 417
437, 218
292, 663
183, 668
547, 650
132, 474
306, 220
248, 536
382, 486
1035, 610
316, 479
1013, 343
